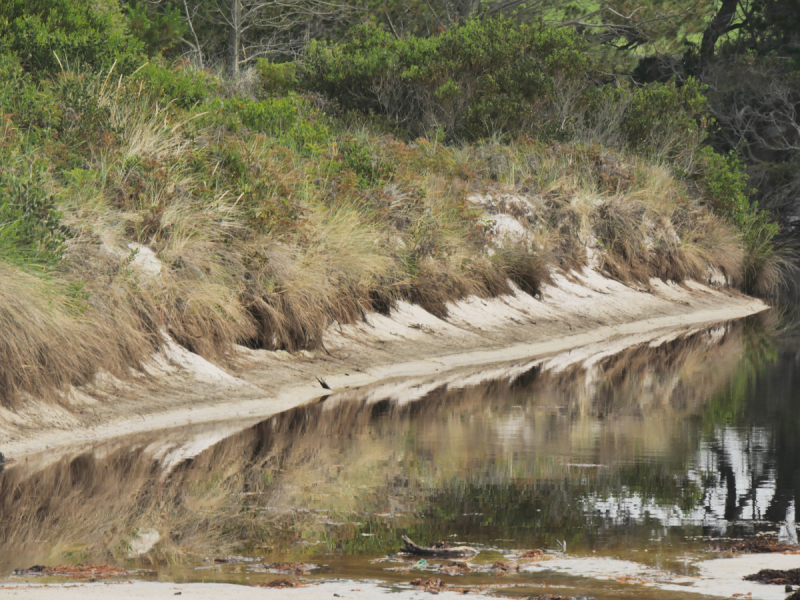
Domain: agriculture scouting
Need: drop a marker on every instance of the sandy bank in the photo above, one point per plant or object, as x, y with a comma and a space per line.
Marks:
180, 388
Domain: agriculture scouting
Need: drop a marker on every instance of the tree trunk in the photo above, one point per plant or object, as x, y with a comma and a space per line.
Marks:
234, 37
718, 27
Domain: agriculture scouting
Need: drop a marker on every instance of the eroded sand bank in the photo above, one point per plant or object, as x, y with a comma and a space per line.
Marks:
180, 388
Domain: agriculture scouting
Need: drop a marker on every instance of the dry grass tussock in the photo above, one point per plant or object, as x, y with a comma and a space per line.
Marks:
187, 222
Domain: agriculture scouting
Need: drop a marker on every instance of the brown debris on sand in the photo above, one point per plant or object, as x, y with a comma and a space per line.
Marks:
439, 549
547, 597
291, 568
455, 567
776, 577
533, 555
74, 571
503, 568
757, 546
435, 585
283, 584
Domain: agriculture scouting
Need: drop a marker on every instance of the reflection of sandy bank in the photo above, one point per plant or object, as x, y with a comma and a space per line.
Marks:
180, 388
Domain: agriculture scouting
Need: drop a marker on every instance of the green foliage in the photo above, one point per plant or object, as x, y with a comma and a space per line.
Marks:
482, 78
159, 31
362, 160
277, 78
661, 120
185, 87
664, 117
725, 182
30, 226
291, 119
28, 103
50, 34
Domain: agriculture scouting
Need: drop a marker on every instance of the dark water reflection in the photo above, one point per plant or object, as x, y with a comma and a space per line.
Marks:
644, 450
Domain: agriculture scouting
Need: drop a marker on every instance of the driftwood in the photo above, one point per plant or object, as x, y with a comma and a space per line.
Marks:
438, 550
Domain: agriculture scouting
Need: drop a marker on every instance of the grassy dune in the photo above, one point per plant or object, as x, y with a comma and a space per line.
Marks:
219, 216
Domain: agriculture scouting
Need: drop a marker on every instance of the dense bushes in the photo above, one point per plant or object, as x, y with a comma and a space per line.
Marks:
48, 35
478, 80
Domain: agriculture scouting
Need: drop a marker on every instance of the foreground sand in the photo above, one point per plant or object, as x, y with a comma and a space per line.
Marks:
718, 578
205, 591
180, 388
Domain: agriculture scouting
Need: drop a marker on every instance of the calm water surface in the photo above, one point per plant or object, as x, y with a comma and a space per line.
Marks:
647, 455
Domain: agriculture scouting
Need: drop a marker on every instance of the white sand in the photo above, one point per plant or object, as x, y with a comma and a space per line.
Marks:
722, 577
209, 591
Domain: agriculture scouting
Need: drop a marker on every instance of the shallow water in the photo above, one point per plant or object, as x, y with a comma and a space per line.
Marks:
648, 455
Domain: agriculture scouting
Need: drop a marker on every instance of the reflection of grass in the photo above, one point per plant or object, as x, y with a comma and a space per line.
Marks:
730, 405
495, 449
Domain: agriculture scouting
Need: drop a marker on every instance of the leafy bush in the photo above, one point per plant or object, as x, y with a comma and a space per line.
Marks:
185, 87
725, 182
362, 160
159, 31
30, 104
662, 120
30, 226
483, 78
291, 119
50, 34
277, 78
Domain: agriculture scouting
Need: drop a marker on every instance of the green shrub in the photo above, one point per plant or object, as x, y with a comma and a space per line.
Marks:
159, 31
661, 120
28, 103
363, 161
277, 78
30, 226
185, 87
664, 118
47, 35
291, 119
725, 183
485, 77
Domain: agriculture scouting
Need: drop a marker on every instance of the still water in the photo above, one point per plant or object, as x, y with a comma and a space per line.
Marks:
648, 455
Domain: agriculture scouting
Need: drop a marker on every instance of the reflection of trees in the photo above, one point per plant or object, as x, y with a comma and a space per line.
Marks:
502, 449
752, 460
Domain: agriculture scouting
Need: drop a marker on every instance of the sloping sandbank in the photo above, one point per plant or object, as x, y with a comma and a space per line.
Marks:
179, 388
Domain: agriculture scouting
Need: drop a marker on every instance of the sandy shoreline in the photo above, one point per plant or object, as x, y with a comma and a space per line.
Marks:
208, 591
181, 388
719, 578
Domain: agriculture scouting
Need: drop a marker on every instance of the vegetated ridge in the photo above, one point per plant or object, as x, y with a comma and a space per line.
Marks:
140, 199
